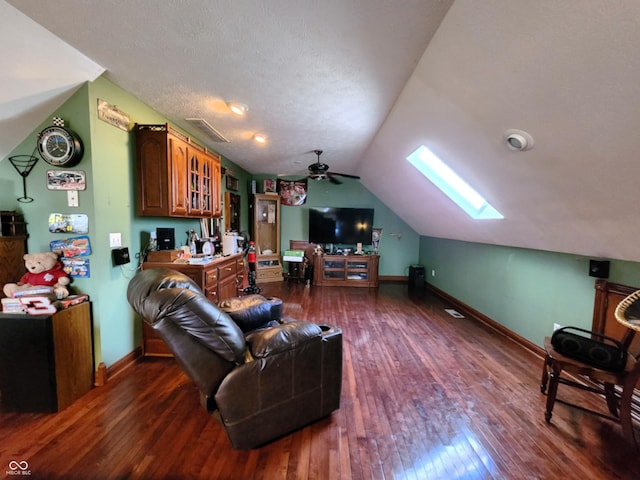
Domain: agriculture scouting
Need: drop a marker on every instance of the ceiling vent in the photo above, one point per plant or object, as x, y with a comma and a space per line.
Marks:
206, 127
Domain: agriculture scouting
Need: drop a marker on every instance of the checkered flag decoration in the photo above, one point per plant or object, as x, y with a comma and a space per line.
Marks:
58, 122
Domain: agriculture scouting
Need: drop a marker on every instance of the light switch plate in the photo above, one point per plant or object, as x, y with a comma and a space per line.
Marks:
115, 240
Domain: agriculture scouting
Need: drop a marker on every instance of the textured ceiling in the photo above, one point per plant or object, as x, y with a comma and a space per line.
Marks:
314, 74
368, 81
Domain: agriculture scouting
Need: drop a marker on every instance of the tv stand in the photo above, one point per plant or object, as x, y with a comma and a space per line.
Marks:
345, 270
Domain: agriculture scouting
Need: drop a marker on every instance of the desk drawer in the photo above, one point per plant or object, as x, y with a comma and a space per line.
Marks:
212, 294
226, 270
211, 278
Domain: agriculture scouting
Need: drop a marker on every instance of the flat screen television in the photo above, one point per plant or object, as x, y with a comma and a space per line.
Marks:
346, 226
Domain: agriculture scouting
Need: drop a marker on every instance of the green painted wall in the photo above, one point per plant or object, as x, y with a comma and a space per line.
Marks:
109, 202
525, 290
396, 252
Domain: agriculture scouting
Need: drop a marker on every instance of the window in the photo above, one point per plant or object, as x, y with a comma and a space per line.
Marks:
452, 185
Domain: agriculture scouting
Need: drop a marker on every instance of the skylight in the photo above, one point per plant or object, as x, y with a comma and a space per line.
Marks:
452, 185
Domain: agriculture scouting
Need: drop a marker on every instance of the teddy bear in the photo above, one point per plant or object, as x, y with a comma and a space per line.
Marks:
43, 269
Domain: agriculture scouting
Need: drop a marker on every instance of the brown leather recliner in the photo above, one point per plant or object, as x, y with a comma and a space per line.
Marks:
274, 377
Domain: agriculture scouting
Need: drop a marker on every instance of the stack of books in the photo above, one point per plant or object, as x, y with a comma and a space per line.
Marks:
35, 290
21, 303
12, 305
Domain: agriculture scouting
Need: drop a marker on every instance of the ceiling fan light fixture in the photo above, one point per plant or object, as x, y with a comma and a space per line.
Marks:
239, 109
320, 171
260, 138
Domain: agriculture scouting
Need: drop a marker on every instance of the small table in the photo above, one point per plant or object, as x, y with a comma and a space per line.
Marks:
627, 313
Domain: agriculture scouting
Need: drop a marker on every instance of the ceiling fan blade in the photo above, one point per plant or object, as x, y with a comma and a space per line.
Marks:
332, 179
346, 175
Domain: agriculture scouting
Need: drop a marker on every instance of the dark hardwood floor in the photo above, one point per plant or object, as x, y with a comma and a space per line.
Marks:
425, 396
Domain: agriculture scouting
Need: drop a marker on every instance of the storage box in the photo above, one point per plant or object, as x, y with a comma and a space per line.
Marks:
164, 256
293, 256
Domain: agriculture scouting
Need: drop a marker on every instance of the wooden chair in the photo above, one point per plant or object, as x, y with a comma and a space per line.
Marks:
589, 378
303, 270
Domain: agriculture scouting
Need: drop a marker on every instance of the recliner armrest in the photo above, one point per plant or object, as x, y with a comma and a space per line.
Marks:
252, 311
281, 338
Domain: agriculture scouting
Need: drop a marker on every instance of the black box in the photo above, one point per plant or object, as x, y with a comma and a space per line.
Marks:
120, 256
416, 277
166, 238
599, 268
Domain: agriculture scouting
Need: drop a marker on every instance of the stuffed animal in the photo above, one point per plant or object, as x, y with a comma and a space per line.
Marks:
43, 269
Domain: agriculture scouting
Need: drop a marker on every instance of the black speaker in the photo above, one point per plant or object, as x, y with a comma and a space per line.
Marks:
166, 238
599, 268
416, 277
590, 347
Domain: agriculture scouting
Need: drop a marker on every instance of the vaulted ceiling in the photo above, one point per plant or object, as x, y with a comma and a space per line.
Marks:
368, 81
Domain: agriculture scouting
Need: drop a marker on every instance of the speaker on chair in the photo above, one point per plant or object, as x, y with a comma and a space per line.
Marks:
599, 268
591, 348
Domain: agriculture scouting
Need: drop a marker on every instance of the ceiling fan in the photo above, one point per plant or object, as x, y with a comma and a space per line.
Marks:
320, 171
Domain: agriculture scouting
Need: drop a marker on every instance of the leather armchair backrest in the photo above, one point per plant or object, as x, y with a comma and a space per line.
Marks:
148, 281
205, 341
198, 317
162, 294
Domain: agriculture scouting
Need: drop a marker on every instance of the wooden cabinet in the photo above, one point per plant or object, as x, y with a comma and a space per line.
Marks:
265, 222
232, 212
204, 183
216, 186
46, 361
607, 297
12, 249
220, 279
345, 270
176, 177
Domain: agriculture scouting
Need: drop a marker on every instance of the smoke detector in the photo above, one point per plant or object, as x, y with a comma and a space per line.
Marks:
518, 140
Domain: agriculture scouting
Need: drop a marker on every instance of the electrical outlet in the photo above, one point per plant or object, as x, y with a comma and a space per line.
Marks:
433, 272
72, 198
115, 240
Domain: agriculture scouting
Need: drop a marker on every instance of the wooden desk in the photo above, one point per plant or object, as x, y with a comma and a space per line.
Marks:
46, 361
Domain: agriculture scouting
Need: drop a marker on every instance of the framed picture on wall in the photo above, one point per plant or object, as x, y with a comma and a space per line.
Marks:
232, 183
269, 185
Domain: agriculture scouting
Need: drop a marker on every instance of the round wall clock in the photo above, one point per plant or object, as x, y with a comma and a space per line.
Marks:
60, 147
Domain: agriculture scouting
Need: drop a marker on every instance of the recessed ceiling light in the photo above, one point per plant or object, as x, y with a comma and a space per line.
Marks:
238, 108
518, 140
260, 138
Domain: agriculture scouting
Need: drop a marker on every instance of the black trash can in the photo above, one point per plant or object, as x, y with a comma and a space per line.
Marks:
416, 277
